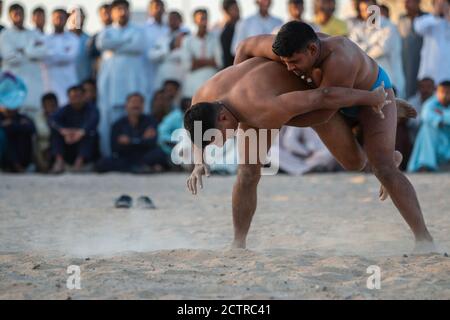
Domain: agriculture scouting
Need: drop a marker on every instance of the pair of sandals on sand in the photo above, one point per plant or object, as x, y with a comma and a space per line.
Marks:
126, 202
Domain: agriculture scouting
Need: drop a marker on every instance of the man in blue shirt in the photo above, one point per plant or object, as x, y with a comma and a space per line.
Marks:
74, 132
432, 147
134, 142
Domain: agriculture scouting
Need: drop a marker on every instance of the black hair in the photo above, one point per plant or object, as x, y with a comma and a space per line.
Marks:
200, 10
38, 10
16, 6
296, 2
90, 81
105, 6
172, 82
227, 4
445, 83
206, 113
185, 104
77, 87
293, 37
49, 97
158, 2
117, 3
176, 13
61, 10
135, 94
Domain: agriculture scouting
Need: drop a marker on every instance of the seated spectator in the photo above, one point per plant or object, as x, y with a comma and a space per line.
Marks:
74, 135
90, 91
173, 121
172, 91
160, 106
49, 105
300, 151
134, 142
426, 89
432, 147
18, 131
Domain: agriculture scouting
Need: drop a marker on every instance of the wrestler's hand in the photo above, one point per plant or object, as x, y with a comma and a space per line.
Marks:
196, 176
380, 100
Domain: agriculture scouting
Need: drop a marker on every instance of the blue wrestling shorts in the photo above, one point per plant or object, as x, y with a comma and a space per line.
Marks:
352, 112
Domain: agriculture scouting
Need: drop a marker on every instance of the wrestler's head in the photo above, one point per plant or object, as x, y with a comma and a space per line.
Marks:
298, 47
443, 93
211, 116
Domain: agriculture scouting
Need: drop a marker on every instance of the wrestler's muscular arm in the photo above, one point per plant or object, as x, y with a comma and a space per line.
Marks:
259, 46
296, 103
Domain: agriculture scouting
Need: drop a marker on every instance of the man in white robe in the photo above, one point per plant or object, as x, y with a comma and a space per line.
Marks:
60, 63
260, 23
202, 55
124, 72
157, 34
435, 29
23, 51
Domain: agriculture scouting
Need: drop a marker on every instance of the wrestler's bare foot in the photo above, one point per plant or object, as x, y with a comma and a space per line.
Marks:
405, 110
239, 244
425, 247
398, 158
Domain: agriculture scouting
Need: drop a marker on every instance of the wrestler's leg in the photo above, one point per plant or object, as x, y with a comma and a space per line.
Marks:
379, 144
336, 134
245, 188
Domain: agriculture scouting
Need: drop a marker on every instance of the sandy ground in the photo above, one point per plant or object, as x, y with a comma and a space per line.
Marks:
312, 238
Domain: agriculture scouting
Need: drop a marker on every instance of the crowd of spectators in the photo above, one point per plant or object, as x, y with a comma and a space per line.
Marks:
112, 101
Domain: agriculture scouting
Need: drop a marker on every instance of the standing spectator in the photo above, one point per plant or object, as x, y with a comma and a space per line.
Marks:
60, 64
225, 29
76, 26
172, 66
427, 88
134, 142
411, 45
157, 34
260, 23
325, 19
38, 18
435, 30
123, 73
1, 13
23, 52
432, 147
300, 151
18, 130
382, 44
356, 18
104, 13
74, 136
42, 151
296, 9
202, 54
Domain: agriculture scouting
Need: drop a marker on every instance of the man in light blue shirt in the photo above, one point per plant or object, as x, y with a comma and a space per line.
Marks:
432, 147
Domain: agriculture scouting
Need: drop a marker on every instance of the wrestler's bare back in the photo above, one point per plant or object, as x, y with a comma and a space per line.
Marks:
245, 88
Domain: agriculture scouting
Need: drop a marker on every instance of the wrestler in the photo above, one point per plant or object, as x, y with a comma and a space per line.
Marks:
337, 61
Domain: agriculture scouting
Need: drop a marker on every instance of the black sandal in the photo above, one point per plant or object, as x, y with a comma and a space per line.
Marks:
146, 203
124, 202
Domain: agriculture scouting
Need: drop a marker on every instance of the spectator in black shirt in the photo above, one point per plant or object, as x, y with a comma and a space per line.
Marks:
74, 132
18, 131
134, 142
